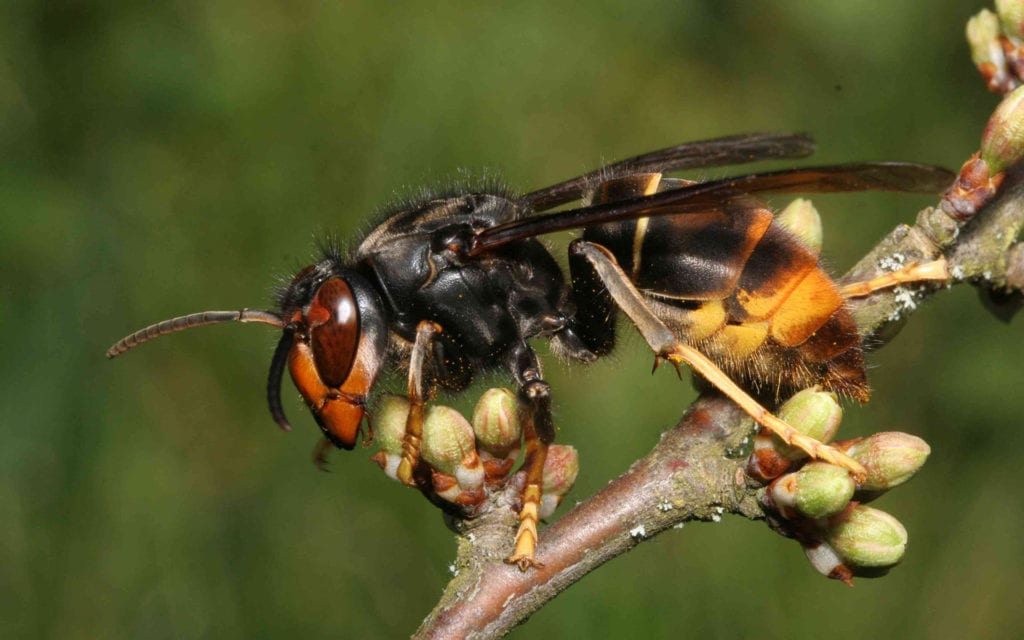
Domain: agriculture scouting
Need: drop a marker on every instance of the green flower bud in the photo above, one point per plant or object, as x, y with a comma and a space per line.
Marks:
389, 429
812, 412
447, 439
817, 490
822, 489
803, 220
1011, 17
983, 37
867, 538
890, 458
1002, 142
496, 423
560, 470
389, 422
450, 448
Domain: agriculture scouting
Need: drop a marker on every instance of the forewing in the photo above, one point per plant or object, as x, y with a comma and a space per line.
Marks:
717, 152
699, 197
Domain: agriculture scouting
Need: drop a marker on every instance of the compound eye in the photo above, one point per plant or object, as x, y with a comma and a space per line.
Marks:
333, 322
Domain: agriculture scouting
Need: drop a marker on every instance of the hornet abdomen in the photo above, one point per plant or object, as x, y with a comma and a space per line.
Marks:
731, 281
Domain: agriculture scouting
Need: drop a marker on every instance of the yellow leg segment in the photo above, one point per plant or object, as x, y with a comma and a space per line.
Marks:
917, 272
419, 391
526, 536
682, 353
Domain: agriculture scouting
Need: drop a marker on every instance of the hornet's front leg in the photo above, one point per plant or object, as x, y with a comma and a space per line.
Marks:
667, 347
539, 431
420, 390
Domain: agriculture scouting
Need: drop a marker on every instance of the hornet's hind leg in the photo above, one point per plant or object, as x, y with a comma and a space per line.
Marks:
667, 347
936, 270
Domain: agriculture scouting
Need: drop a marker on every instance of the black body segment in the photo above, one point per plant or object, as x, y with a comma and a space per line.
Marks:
485, 305
698, 256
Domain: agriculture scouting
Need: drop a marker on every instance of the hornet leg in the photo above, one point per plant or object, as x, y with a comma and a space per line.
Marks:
535, 399
419, 392
916, 272
666, 347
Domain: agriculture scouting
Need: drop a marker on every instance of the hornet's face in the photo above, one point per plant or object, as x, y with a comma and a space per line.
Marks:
334, 343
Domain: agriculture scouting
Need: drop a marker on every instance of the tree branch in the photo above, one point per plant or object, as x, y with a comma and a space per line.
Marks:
696, 471
689, 475
983, 251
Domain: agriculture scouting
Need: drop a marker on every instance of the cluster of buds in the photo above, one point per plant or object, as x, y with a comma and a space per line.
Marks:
997, 45
997, 48
469, 459
820, 505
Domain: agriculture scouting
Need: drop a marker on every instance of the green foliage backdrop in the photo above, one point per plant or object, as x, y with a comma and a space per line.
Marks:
170, 157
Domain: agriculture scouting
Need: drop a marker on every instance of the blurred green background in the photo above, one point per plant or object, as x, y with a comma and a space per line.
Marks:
168, 158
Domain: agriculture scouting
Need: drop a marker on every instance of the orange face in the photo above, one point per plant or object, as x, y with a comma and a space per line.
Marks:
332, 362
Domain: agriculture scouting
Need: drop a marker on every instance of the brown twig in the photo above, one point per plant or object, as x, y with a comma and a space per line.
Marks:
687, 476
691, 473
